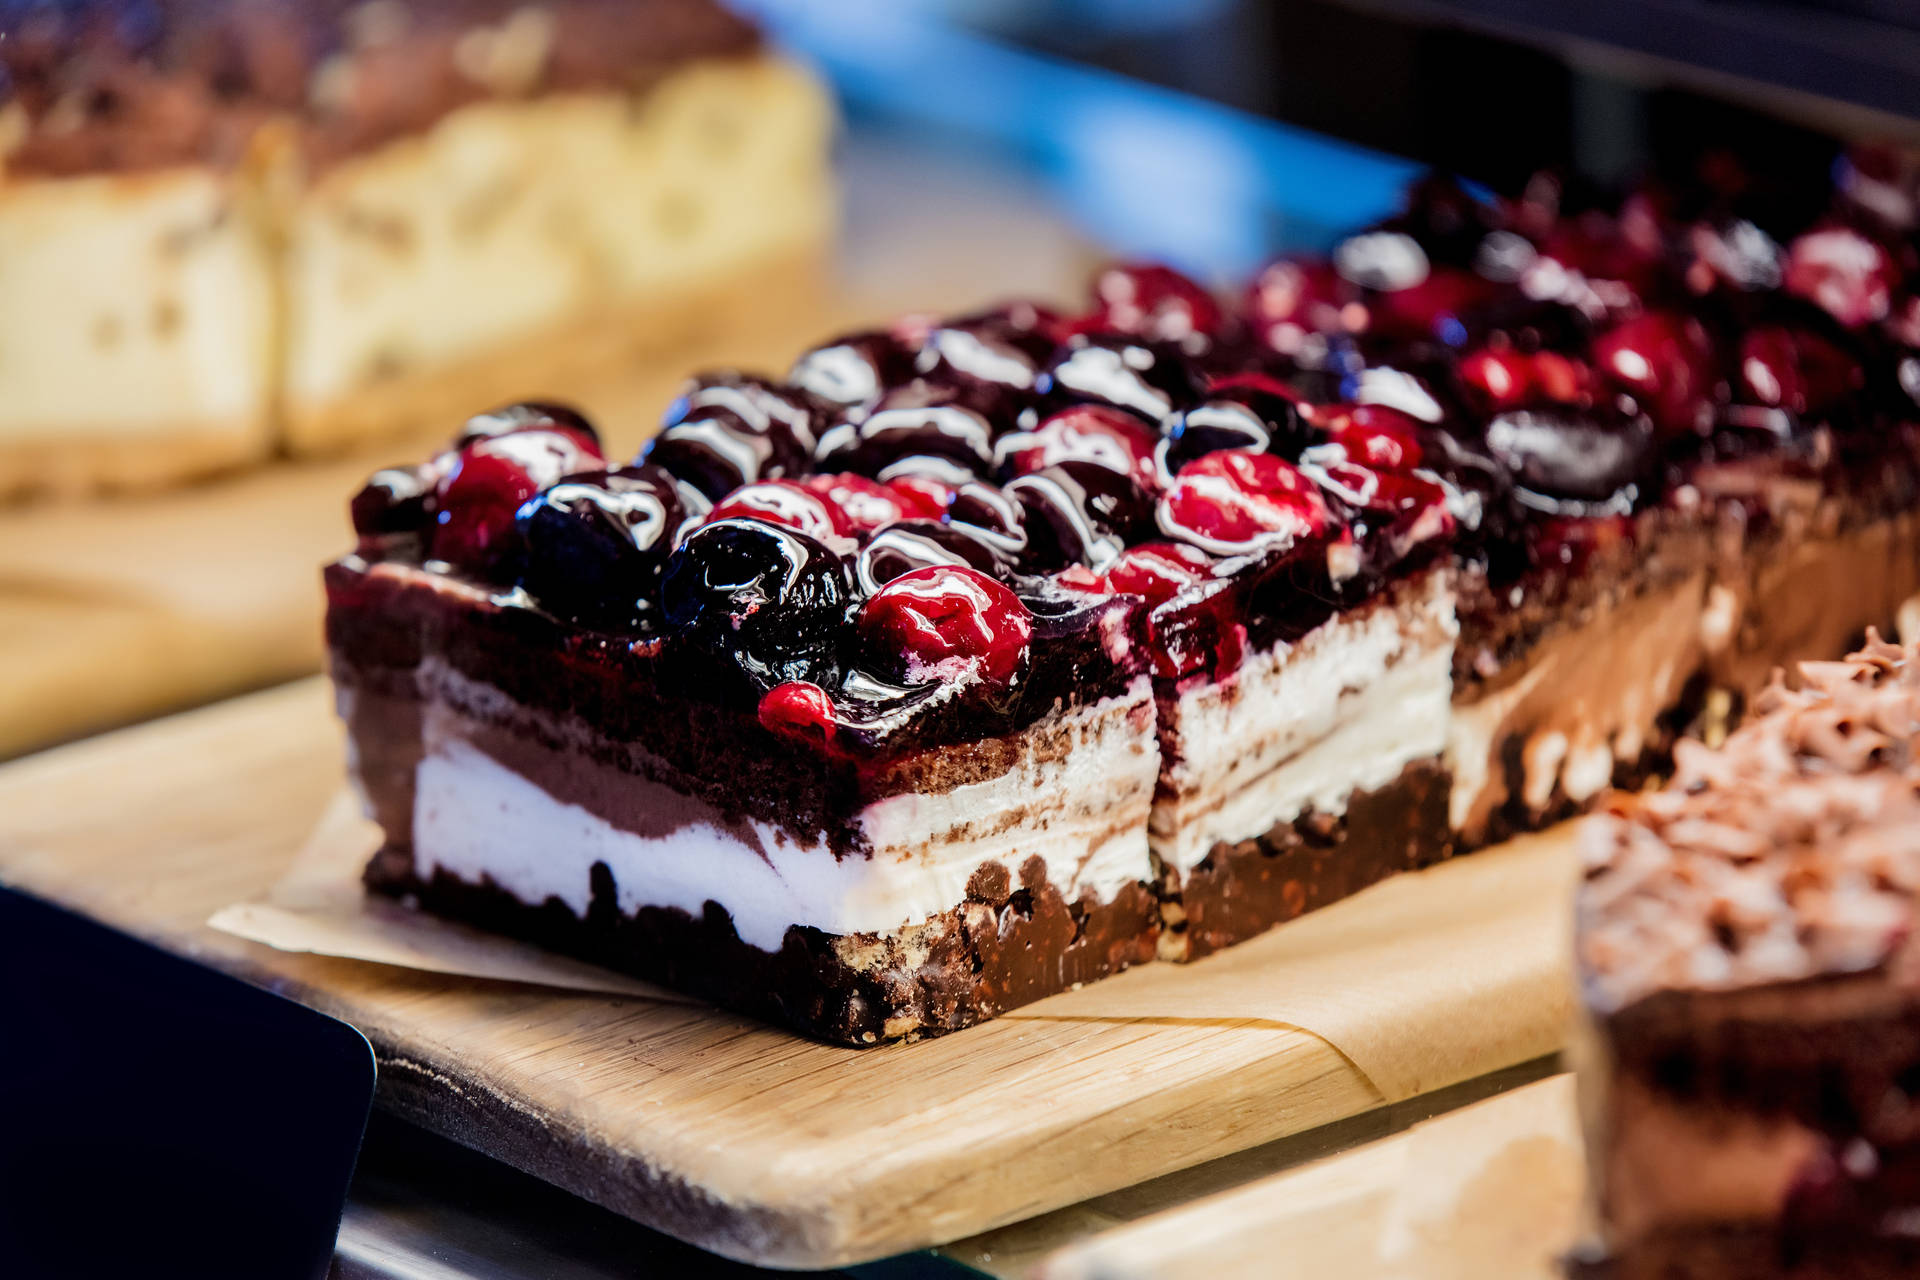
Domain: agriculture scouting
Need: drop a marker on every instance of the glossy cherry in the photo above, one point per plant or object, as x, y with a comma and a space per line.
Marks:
946, 623
1574, 463
1292, 303
762, 599
1099, 434
918, 544
866, 505
1374, 435
992, 515
1231, 502
476, 500
727, 429
1842, 271
595, 543
1665, 361
1151, 381
395, 500
1214, 424
1154, 302
916, 420
1080, 512
853, 372
526, 415
800, 711
789, 503
1496, 378
1158, 571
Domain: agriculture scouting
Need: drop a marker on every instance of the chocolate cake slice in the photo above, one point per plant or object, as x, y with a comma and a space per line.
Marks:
1746, 957
235, 226
981, 656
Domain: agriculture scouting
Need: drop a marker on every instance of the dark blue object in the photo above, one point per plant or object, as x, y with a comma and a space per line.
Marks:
159, 1118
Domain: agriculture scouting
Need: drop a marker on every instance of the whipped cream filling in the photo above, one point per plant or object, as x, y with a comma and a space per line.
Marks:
1082, 813
1306, 725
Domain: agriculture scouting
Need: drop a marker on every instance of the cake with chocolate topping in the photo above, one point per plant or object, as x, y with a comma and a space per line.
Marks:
980, 656
1746, 954
241, 225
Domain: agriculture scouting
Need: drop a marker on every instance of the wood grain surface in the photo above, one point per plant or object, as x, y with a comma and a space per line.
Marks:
736, 1136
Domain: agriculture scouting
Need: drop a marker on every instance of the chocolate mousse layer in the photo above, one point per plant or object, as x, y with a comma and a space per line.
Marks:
109, 86
1746, 958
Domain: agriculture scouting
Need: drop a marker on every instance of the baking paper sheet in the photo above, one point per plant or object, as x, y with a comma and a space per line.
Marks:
1420, 981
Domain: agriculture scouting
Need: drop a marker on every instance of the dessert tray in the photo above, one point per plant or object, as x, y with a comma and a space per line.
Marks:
760, 1145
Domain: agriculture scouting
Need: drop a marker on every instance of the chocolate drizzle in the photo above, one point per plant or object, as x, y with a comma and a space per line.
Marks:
1790, 853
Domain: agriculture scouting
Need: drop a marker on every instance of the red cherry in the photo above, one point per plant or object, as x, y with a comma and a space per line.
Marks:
1158, 571
490, 478
783, 502
1431, 308
1232, 501
1097, 433
1665, 362
1077, 577
1154, 302
1374, 435
1770, 369
865, 505
799, 709
1560, 379
1410, 509
925, 496
1496, 379
946, 622
1843, 272
1293, 300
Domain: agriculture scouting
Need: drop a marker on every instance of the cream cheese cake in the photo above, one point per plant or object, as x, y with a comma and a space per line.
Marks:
236, 226
980, 656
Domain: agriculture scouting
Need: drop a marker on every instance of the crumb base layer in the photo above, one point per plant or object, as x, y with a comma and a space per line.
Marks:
1006, 945
1242, 889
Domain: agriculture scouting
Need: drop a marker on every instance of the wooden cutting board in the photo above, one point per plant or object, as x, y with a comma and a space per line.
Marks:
733, 1135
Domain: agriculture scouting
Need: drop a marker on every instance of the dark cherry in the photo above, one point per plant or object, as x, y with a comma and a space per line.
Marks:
1495, 378
799, 711
765, 600
1664, 360
1031, 317
1282, 409
395, 500
1601, 248
1560, 379
1212, 425
867, 505
1374, 435
727, 429
1572, 464
1094, 433
1796, 370
1159, 571
788, 503
992, 515
988, 356
475, 501
1436, 308
853, 372
1149, 380
1446, 219
926, 489
1292, 303
595, 543
1231, 503
1154, 302
1392, 512
526, 415
1081, 512
918, 544
1843, 272
917, 420
946, 623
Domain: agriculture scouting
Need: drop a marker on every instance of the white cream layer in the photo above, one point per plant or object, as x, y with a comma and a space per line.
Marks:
1305, 725
1083, 815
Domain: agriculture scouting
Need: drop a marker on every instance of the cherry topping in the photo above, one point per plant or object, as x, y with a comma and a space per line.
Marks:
1665, 362
1843, 272
867, 505
916, 544
852, 372
946, 623
1127, 373
986, 358
1568, 464
1158, 571
763, 599
1156, 303
1208, 427
728, 429
1393, 511
1291, 303
1230, 502
1095, 433
595, 543
476, 500
784, 502
1496, 378
394, 500
1433, 308
924, 491
799, 710
1080, 512
917, 420
1374, 435
992, 515
527, 415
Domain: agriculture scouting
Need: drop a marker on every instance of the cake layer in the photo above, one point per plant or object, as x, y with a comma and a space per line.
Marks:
536, 821
417, 274
138, 329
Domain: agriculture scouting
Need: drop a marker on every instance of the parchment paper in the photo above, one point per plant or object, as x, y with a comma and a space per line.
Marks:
1423, 980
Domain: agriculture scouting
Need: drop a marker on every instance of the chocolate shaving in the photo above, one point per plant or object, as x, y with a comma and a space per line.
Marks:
1791, 852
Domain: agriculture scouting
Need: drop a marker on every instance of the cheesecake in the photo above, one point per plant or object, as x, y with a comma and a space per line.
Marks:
978, 656
1745, 950
238, 228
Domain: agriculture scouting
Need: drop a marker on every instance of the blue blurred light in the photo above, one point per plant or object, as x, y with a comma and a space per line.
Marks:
1149, 171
